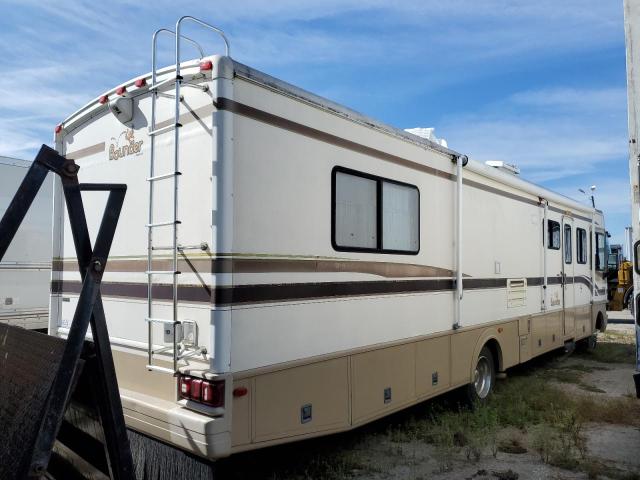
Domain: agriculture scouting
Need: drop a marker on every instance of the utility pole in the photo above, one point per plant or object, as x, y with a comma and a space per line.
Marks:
632, 41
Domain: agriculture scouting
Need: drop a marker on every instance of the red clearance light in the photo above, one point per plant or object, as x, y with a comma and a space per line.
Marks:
141, 82
206, 65
121, 90
58, 128
240, 391
213, 393
103, 99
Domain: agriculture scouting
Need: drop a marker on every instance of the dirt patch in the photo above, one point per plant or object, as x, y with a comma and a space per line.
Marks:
615, 445
579, 374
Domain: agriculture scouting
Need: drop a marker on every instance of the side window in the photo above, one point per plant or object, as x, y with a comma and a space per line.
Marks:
601, 260
374, 214
568, 255
355, 206
581, 245
553, 235
400, 220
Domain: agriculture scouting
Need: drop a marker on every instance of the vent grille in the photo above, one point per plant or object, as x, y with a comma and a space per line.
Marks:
516, 292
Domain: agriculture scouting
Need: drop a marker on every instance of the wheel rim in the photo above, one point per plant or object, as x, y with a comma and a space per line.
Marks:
482, 377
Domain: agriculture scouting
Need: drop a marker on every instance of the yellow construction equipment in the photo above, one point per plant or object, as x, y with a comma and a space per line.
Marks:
619, 281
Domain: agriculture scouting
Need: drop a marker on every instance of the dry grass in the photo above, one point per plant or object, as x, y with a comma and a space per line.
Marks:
612, 352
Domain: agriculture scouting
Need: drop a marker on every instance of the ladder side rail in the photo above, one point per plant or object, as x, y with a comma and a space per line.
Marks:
176, 184
205, 25
154, 47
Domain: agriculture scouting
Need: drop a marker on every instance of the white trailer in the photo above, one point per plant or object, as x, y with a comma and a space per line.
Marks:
285, 267
632, 41
25, 271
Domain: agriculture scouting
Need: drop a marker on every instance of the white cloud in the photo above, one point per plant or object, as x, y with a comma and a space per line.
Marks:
71, 51
612, 195
599, 100
566, 137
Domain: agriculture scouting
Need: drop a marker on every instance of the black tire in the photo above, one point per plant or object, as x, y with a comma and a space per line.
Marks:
587, 344
484, 378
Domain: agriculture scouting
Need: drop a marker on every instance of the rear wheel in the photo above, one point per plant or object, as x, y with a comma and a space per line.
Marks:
586, 344
484, 377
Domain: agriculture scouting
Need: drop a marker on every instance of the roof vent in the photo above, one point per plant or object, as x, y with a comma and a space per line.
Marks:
429, 134
503, 166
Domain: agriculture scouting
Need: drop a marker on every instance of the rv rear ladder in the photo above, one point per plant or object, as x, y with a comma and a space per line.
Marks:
173, 327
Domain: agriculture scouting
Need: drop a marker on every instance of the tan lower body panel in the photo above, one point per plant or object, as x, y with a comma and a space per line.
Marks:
583, 322
309, 398
333, 394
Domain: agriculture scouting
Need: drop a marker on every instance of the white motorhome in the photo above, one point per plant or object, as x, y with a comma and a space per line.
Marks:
285, 267
25, 270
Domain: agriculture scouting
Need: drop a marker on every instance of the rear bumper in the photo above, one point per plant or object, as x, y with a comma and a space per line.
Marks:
208, 437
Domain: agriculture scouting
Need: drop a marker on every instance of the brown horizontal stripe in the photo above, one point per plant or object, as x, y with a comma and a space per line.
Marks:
286, 124
503, 193
272, 293
567, 212
186, 293
188, 117
85, 152
269, 265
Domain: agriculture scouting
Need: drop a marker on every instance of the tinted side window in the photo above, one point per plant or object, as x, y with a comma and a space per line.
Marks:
568, 254
581, 245
553, 235
601, 251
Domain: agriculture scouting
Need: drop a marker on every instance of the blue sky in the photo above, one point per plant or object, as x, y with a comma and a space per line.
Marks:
540, 84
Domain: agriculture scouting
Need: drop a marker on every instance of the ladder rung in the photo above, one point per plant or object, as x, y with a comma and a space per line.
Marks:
163, 176
160, 320
168, 81
192, 353
162, 272
204, 246
156, 368
168, 128
163, 224
162, 349
167, 95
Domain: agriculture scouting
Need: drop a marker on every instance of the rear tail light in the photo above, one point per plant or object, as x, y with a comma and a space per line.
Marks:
141, 82
58, 129
213, 393
121, 90
103, 99
196, 389
184, 386
206, 66
207, 392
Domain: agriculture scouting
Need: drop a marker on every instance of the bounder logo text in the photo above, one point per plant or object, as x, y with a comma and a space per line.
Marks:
124, 145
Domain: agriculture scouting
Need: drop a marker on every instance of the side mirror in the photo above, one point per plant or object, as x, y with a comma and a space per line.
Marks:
636, 257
